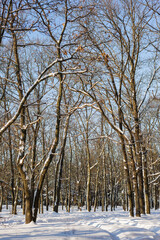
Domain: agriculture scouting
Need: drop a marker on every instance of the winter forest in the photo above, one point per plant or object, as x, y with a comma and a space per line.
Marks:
79, 105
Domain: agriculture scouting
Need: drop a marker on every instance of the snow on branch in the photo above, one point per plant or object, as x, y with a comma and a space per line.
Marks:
153, 181
93, 166
40, 79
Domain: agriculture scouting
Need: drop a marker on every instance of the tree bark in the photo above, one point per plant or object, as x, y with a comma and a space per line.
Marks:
21, 154
1, 199
54, 143
156, 197
126, 171
146, 185
88, 179
69, 179
135, 182
59, 168
103, 168
96, 190
47, 197
28, 209
15, 199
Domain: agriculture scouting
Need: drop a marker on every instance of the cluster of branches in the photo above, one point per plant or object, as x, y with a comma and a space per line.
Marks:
79, 106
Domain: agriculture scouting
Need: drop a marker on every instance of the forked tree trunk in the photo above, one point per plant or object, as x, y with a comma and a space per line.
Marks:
124, 153
21, 154
22, 143
138, 142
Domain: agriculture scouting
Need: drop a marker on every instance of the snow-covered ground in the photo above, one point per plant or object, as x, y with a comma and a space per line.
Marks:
80, 225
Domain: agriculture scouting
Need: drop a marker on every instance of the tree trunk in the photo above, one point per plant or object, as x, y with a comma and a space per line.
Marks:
146, 185
88, 186
12, 170
137, 143
66, 186
96, 190
135, 183
34, 149
7, 201
79, 196
125, 158
21, 154
42, 201
111, 184
59, 168
124, 196
47, 198
69, 176
15, 200
54, 143
1, 199
28, 210
103, 168
23, 202
88, 172
126, 171
156, 197
77, 177
55, 187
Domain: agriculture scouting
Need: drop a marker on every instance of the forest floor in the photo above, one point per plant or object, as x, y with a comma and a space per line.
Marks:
80, 225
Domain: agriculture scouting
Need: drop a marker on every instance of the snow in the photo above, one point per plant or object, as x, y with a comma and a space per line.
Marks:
80, 225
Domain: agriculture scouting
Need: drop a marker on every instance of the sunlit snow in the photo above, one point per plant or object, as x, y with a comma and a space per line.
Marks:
99, 225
